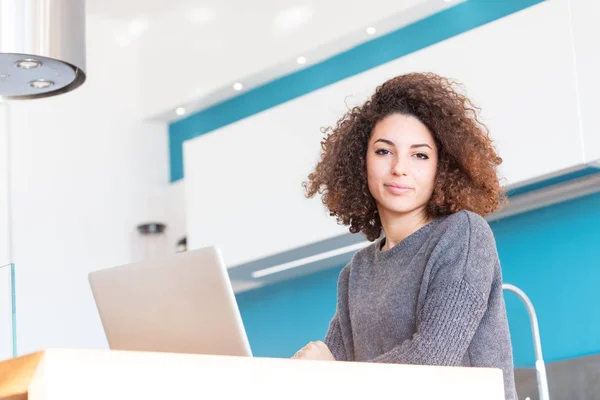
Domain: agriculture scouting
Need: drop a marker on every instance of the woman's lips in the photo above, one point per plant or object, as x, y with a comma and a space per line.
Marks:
397, 188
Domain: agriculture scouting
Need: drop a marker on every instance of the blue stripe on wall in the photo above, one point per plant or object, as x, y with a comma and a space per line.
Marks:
421, 34
550, 253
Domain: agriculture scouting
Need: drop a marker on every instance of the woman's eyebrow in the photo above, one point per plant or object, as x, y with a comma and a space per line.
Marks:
385, 141
414, 146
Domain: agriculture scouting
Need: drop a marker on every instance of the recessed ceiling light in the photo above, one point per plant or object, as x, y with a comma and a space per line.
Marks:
41, 83
238, 86
180, 111
28, 63
448, 1
371, 30
301, 60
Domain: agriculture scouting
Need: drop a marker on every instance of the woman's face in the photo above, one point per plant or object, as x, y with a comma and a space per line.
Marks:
402, 163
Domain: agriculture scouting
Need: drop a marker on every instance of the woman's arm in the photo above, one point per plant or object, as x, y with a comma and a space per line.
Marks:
449, 319
334, 340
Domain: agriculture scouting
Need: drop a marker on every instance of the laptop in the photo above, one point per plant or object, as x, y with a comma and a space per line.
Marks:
182, 303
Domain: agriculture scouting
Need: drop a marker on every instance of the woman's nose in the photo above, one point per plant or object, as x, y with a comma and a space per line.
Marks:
400, 166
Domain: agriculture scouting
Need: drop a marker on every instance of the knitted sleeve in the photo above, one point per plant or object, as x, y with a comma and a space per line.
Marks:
334, 340
338, 338
459, 286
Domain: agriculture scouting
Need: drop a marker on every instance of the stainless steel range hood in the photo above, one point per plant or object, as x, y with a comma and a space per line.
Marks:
42, 47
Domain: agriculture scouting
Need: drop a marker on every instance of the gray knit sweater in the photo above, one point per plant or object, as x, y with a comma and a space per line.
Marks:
433, 299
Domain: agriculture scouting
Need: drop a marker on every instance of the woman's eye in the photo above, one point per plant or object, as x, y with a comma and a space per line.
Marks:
382, 151
422, 156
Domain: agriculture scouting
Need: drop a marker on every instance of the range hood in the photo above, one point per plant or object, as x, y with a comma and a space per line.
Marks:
42, 47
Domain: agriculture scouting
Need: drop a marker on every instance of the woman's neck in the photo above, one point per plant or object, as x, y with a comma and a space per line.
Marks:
398, 227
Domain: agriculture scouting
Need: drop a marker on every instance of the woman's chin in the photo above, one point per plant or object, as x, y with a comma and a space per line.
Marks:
400, 208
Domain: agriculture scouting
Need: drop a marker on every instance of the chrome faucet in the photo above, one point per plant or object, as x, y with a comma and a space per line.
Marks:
540, 367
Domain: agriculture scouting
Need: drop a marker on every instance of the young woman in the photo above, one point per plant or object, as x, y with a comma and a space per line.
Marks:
415, 162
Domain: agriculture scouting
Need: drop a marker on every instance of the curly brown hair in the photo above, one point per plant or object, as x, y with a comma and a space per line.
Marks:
466, 177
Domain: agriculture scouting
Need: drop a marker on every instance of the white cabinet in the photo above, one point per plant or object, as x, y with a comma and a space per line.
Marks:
586, 31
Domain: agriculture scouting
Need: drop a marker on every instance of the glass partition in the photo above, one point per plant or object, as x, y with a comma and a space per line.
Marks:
8, 313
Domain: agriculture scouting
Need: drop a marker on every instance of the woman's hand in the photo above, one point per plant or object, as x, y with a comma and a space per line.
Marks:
314, 351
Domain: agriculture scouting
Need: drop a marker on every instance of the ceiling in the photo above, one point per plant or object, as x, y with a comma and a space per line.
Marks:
129, 9
225, 41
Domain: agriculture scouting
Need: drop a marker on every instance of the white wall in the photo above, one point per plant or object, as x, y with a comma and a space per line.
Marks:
83, 170
166, 203
243, 181
5, 276
4, 185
